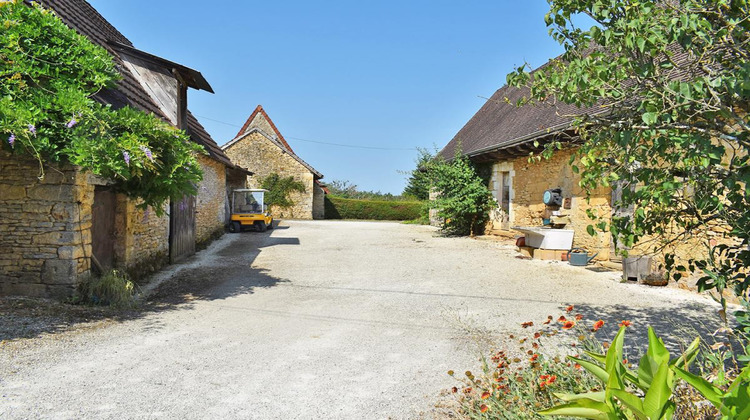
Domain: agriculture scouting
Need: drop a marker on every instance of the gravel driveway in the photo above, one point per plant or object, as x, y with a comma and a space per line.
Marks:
315, 320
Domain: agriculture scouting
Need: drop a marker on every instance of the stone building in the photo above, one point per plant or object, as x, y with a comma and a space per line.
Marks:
259, 145
61, 227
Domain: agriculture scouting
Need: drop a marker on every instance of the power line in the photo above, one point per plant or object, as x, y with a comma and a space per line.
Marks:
320, 142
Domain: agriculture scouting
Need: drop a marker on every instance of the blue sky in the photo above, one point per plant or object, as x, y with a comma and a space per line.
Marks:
388, 74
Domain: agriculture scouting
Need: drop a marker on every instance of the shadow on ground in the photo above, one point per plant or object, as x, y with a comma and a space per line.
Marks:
215, 273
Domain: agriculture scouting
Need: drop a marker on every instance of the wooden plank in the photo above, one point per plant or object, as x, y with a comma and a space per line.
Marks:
182, 229
103, 228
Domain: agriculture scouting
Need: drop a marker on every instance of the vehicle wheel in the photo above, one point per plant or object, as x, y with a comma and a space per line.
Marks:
235, 227
270, 225
261, 226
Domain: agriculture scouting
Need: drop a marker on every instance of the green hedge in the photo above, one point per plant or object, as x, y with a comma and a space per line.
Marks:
345, 208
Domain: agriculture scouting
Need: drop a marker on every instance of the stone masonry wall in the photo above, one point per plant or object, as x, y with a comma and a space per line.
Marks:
210, 207
260, 155
45, 231
142, 245
319, 205
529, 182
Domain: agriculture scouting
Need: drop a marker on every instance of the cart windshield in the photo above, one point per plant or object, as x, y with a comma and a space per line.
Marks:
247, 202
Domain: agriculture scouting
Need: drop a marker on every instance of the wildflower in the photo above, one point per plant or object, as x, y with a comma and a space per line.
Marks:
577, 366
537, 335
605, 344
148, 153
551, 379
71, 123
450, 372
535, 345
126, 157
485, 395
32, 129
569, 308
483, 408
455, 389
11, 139
527, 324
568, 325
534, 357
562, 319
579, 317
625, 323
598, 324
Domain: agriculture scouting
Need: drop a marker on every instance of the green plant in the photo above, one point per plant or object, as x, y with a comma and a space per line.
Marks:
344, 208
664, 111
733, 403
463, 201
654, 380
418, 184
279, 188
112, 288
49, 76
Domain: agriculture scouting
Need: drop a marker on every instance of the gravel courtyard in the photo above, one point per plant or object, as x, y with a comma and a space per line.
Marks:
344, 320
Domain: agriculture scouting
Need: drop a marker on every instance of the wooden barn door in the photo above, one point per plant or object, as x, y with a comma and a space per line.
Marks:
103, 227
182, 229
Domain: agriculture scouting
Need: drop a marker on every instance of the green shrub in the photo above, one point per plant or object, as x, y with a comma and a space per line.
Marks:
113, 288
344, 208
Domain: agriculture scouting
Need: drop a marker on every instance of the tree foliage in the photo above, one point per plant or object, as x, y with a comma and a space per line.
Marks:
418, 184
279, 188
463, 201
667, 84
49, 76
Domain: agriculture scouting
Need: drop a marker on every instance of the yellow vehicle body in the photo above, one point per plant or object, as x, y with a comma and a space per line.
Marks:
249, 210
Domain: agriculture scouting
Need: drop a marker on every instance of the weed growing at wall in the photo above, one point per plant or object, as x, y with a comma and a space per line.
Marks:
113, 288
49, 79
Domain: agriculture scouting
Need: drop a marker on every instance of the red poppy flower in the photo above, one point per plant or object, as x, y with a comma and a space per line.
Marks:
579, 317
562, 319
598, 324
527, 324
485, 395
625, 323
568, 325
569, 308
577, 366
455, 389
483, 408
534, 357
537, 335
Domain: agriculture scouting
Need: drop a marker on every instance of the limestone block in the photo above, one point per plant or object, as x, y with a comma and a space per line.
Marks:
51, 193
59, 272
12, 192
23, 289
70, 252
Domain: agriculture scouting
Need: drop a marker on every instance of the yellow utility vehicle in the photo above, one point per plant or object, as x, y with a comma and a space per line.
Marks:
248, 210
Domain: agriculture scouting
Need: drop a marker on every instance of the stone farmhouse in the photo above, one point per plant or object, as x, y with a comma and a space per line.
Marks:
62, 227
501, 136
260, 145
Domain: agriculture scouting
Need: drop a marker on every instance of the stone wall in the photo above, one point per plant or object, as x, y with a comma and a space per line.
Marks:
530, 180
260, 155
211, 206
319, 205
142, 244
45, 228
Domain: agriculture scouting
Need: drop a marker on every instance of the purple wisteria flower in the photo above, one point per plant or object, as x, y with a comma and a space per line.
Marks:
71, 123
148, 153
126, 156
32, 129
11, 139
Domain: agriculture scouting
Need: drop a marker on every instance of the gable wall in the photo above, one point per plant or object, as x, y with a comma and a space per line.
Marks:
263, 157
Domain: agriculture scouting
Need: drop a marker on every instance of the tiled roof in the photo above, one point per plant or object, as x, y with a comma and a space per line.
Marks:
259, 110
500, 124
277, 142
81, 16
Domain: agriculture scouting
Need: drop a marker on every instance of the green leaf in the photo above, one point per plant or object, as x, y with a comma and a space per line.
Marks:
657, 396
686, 359
595, 369
713, 394
594, 396
583, 408
650, 118
631, 401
